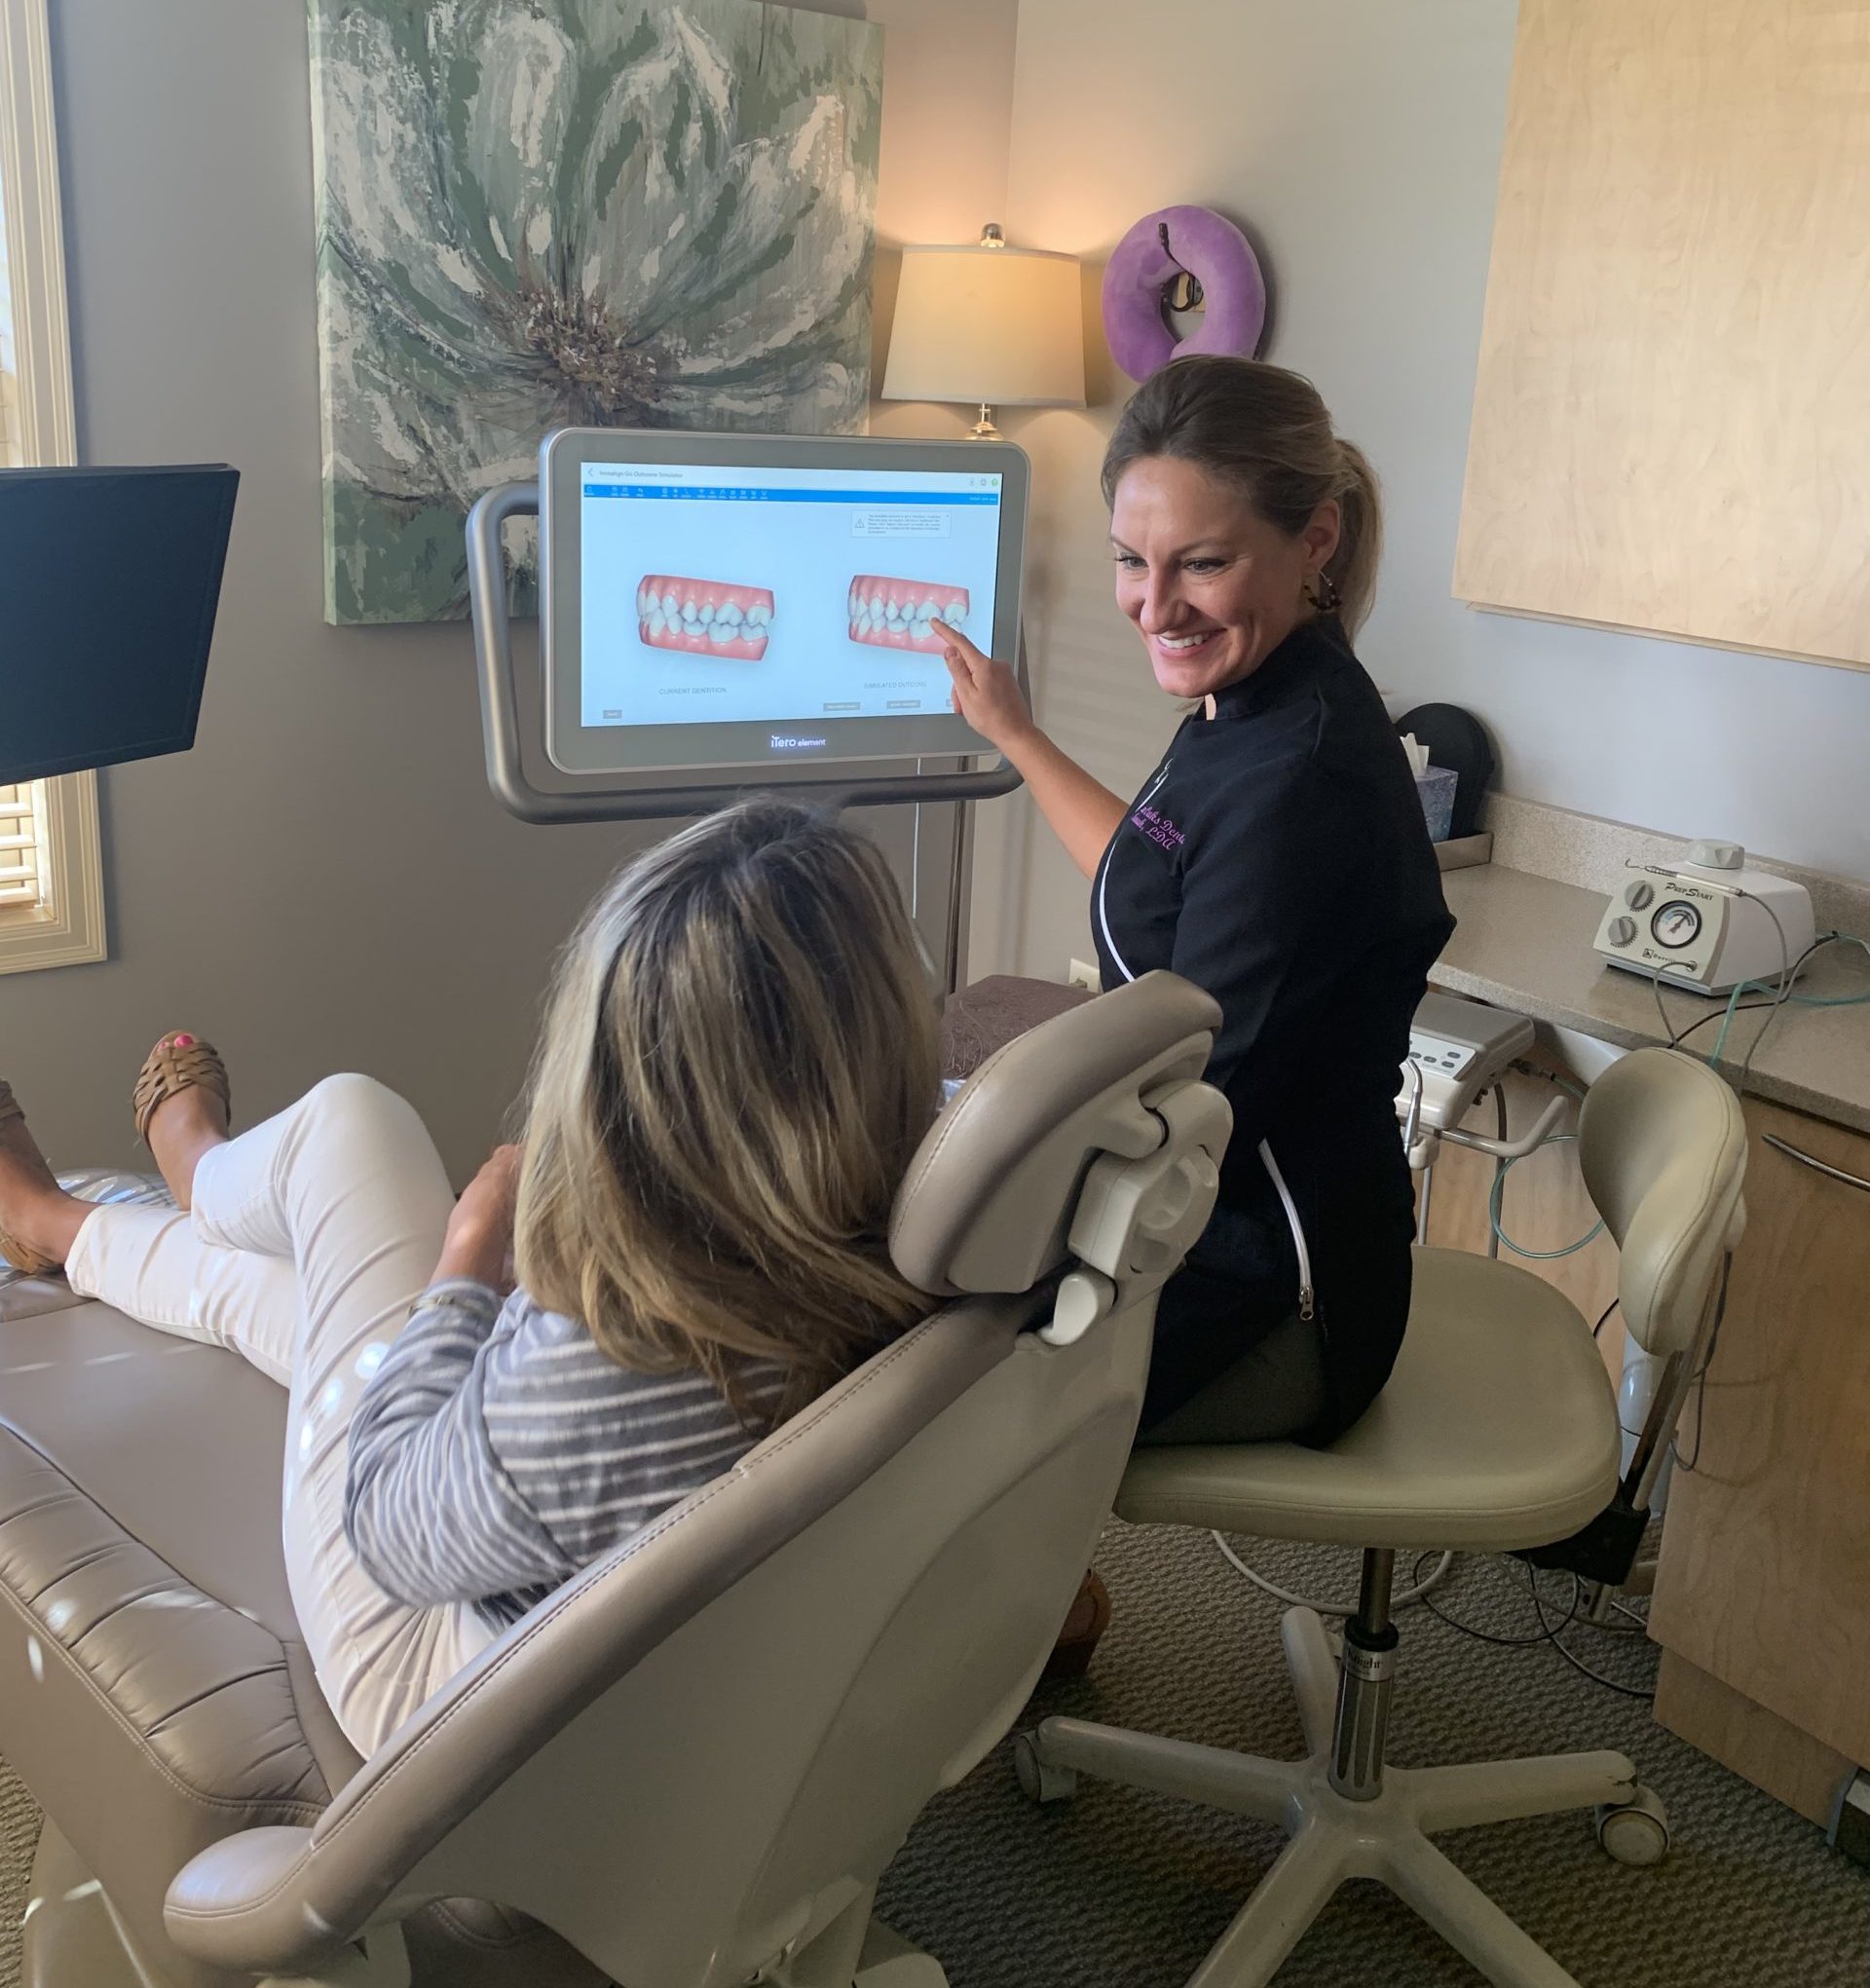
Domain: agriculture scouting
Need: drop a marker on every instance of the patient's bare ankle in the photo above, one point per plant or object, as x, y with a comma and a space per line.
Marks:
33, 1209
183, 1128
49, 1223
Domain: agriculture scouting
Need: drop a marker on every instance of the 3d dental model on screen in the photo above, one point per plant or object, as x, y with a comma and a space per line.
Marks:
704, 616
895, 614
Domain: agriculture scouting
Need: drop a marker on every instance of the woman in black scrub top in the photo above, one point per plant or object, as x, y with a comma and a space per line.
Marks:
1278, 857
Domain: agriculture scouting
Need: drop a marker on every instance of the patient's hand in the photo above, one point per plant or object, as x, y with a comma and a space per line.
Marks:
479, 1243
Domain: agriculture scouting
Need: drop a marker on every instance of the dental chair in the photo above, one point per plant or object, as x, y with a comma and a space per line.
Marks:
1497, 1433
690, 1765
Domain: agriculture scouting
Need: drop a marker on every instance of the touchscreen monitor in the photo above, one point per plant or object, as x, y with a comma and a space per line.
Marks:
731, 601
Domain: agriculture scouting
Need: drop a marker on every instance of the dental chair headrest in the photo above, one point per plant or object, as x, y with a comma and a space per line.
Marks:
987, 1201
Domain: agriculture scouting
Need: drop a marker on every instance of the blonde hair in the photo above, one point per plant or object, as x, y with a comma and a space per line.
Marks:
1266, 431
738, 1059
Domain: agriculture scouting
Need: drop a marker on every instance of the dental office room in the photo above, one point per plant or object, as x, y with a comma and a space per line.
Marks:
1144, 1262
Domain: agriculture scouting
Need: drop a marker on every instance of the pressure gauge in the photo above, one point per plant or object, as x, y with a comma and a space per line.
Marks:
1676, 924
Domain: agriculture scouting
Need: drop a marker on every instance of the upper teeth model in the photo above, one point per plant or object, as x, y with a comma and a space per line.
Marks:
895, 614
704, 616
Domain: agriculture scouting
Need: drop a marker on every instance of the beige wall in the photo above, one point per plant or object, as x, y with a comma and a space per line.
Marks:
1358, 143
948, 108
325, 883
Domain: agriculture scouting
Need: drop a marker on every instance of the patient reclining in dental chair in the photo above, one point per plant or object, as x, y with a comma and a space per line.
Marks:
737, 1063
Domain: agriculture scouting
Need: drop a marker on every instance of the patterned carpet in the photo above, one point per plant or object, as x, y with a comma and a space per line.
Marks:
1123, 1890
18, 1832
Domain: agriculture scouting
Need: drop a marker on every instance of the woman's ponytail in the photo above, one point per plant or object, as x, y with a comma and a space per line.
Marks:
1360, 537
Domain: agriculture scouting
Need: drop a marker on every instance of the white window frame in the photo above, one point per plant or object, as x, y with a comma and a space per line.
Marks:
68, 928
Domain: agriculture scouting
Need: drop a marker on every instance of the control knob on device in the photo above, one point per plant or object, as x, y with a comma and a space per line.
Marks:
1638, 895
1622, 932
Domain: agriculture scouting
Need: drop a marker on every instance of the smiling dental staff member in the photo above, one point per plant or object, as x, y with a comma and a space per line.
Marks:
1278, 857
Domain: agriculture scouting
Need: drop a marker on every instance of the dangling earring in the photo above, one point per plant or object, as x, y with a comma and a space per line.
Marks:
1321, 591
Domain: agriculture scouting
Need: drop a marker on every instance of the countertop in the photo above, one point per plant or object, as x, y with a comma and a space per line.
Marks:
1525, 941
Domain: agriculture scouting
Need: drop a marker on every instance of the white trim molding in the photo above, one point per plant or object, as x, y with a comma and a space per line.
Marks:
69, 927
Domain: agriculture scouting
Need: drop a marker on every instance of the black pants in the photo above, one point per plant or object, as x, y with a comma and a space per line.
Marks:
1271, 1393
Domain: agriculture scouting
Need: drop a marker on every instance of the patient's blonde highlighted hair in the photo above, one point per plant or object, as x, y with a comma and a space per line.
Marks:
739, 1060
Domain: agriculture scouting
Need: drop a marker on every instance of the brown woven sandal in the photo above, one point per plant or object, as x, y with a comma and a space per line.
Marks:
29, 1263
177, 1063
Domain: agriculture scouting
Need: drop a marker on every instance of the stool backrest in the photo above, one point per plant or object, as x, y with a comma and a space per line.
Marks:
1662, 1146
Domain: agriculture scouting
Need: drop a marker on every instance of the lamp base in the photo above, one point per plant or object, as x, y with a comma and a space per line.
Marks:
984, 430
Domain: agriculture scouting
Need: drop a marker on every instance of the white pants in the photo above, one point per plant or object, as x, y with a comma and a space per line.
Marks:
310, 1240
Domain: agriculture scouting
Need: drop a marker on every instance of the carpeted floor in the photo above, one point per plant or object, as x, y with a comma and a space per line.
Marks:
1120, 1889
18, 1832
1124, 1890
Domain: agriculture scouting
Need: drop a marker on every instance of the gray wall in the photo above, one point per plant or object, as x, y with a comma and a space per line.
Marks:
1358, 142
325, 883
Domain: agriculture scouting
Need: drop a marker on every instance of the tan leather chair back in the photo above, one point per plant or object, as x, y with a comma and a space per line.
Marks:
1662, 1146
696, 1755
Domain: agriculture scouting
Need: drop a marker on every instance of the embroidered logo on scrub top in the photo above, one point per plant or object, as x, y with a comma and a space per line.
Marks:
1158, 827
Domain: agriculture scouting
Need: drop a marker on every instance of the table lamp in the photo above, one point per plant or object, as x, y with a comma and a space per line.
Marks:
991, 325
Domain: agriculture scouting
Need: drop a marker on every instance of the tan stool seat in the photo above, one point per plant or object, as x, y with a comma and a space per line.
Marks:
1497, 1430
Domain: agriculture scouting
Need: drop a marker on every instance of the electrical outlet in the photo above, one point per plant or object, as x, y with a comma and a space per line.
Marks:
1084, 973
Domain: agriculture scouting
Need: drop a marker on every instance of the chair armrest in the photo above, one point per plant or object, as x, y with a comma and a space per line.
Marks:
242, 1903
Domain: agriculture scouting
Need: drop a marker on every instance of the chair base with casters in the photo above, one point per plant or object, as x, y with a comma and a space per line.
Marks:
1350, 1815
1497, 1430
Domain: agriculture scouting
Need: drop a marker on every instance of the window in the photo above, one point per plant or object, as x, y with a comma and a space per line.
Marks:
51, 911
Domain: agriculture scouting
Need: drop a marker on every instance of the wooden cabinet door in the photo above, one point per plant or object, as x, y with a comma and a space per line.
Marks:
1764, 1575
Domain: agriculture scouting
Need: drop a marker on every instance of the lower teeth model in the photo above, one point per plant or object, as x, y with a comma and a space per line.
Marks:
895, 614
704, 616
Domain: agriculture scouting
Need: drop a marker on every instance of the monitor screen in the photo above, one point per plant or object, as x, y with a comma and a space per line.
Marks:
109, 583
740, 601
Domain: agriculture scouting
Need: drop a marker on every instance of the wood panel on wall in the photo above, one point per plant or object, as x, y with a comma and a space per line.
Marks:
1674, 376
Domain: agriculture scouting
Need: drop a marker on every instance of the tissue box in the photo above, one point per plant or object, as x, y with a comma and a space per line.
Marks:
1435, 786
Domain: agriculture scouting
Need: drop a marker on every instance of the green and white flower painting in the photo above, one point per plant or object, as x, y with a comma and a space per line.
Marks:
535, 213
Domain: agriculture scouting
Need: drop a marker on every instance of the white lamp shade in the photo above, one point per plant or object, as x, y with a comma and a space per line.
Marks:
1001, 325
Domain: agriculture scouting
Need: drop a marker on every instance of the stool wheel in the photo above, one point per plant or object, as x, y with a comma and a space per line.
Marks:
1634, 1832
1038, 1782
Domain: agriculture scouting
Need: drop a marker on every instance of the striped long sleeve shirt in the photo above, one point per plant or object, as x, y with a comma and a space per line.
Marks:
496, 1450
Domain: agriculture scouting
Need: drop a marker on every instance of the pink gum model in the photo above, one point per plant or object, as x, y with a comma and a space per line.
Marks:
704, 616
895, 614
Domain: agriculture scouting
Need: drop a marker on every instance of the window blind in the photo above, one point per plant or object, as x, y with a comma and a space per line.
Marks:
23, 842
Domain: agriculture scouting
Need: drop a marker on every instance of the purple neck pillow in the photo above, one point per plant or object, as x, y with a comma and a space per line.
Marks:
1142, 273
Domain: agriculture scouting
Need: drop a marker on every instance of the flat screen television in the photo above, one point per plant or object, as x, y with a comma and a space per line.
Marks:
109, 583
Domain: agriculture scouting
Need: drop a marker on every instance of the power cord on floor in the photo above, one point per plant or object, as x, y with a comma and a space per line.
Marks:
1549, 1631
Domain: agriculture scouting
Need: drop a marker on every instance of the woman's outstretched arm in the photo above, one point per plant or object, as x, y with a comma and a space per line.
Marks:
1080, 809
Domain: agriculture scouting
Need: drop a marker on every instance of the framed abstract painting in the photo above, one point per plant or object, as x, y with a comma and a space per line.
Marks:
535, 213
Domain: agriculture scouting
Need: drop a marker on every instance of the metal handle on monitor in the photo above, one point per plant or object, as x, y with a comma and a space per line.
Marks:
590, 799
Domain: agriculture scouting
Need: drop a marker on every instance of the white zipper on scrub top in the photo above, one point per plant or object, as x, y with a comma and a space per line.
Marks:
1307, 1297
1307, 1292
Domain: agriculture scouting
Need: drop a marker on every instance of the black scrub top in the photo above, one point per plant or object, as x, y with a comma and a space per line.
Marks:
1279, 858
